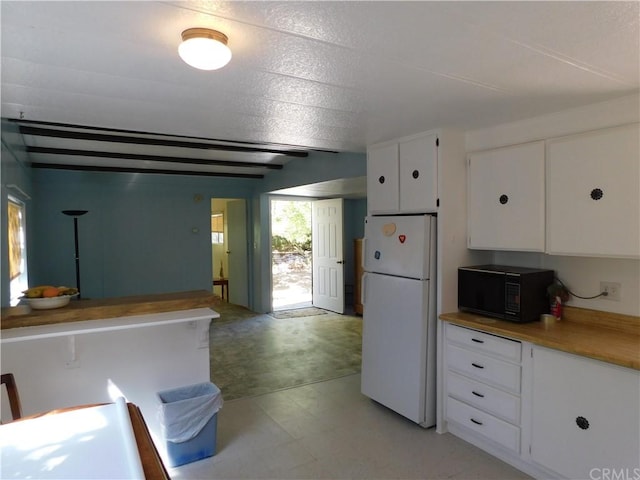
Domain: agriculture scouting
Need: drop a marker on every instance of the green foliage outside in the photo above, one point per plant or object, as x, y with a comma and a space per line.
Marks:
290, 226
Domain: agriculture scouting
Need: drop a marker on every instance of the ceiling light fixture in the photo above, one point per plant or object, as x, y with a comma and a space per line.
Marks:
204, 48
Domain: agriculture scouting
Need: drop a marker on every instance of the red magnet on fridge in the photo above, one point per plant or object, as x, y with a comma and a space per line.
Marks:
402, 238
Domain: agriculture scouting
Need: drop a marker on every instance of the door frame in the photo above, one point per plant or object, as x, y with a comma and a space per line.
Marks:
271, 198
282, 198
248, 284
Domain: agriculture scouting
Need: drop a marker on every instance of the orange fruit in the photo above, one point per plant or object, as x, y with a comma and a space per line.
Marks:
50, 292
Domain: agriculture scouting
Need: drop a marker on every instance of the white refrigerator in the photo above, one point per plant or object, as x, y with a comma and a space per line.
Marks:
399, 318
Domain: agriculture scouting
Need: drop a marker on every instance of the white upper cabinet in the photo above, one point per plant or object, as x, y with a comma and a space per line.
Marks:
593, 199
402, 176
419, 174
506, 198
382, 179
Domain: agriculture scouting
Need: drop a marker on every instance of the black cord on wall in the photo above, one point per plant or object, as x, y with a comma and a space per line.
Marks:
601, 294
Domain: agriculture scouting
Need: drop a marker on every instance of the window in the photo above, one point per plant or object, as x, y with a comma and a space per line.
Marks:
17, 249
217, 228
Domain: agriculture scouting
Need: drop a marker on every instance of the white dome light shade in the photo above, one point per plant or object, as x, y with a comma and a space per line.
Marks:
204, 49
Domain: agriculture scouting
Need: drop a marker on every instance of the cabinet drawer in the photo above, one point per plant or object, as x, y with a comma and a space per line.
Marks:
483, 368
485, 342
489, 399
491, 427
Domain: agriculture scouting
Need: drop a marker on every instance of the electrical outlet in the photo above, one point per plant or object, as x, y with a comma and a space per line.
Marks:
613, 290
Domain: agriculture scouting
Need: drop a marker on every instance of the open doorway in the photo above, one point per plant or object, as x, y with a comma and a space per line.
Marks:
229, 250
291, 266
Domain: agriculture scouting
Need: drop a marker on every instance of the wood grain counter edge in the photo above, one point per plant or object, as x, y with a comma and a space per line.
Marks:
81, 310
618, 344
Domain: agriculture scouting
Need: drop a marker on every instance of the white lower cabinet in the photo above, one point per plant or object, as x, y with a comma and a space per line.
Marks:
549, 413
483, 377
586, 416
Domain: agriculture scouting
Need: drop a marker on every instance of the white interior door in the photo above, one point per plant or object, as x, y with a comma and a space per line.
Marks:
237, 253
328, 260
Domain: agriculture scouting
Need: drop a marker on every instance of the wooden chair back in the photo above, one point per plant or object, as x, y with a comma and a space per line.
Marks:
12, 392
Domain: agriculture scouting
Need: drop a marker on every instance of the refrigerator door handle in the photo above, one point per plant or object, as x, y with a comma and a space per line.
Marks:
364, 252
363, 288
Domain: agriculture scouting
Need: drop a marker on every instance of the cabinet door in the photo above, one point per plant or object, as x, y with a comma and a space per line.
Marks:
593, 199
585, 415
382, 179
506, 198
419, 174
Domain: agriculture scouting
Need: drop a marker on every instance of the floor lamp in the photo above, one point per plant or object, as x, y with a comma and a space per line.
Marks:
75, 214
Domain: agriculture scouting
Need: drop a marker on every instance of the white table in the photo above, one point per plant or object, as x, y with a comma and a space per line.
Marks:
88, 443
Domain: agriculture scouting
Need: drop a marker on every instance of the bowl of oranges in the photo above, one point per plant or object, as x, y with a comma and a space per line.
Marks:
45, 297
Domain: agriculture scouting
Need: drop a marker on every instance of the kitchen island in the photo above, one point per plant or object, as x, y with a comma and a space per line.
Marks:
86, 352
99, 309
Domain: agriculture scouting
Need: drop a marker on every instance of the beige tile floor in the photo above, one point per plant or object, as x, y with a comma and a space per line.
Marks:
329, 430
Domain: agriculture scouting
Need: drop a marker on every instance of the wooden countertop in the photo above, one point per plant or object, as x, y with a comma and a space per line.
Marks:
81, 310
605, 336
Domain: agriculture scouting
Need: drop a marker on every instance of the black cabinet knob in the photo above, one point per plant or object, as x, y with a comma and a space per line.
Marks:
597, 194
415, 174
381, 179
503, 199
582, 423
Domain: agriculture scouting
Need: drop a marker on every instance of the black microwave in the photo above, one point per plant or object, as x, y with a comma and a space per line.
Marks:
518, 294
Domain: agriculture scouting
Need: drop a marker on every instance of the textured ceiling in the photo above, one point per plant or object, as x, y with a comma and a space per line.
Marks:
316, 75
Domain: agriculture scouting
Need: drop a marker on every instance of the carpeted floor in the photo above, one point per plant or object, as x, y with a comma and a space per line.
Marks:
253, 353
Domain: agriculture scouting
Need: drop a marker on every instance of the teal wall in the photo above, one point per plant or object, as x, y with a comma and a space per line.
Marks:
317, 167
14, 172
147, 233
143, 234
